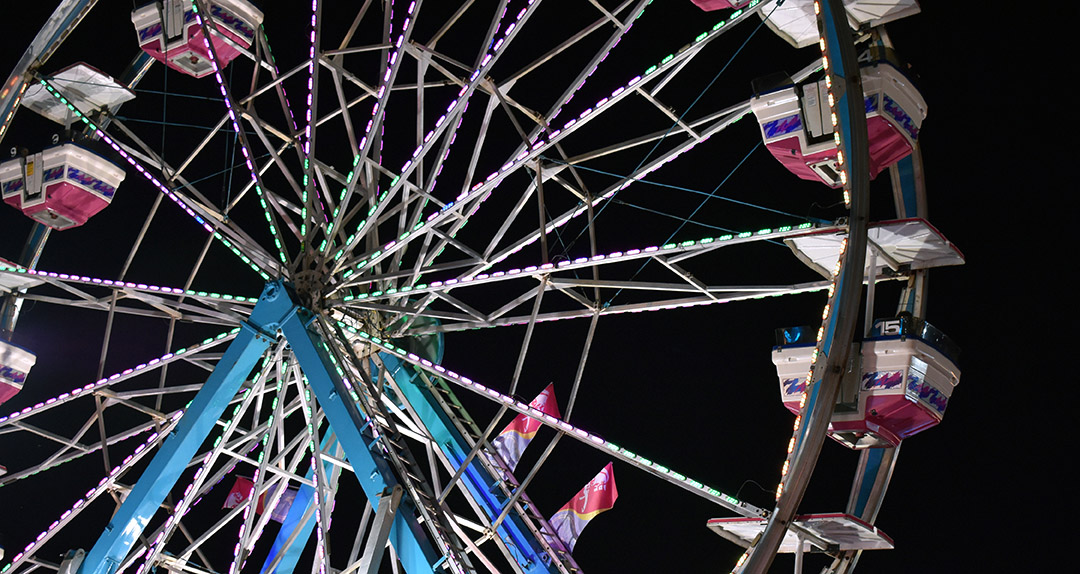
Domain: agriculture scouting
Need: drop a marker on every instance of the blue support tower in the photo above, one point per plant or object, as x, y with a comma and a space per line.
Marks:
277, 310
524, 547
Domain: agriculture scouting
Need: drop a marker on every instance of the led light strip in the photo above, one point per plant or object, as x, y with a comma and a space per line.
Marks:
539, 145
272, 503
143, 287
316, 467
153, 180
832, 111
233, 119
14, 106
598, 62
583, 262
378, 114
454, 109
118, 377
93, 493
194, 488
239, 553
306, 140
142, 551
9, 478
562, 426
793, 442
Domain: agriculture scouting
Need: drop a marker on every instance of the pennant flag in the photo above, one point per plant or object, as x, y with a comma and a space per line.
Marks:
241, 493
512, 441
597, 496
281, 510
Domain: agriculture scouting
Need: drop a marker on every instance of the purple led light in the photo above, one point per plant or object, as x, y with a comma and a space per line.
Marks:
90, 496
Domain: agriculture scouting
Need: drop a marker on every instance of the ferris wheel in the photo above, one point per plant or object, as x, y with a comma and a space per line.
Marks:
323, 254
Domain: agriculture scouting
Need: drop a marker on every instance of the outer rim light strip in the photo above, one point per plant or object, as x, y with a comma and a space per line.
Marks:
793, 443
121, 376
153, 180
234, 118
559, 425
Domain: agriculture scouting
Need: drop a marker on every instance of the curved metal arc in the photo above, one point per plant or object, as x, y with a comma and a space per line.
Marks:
67, 15
842, 310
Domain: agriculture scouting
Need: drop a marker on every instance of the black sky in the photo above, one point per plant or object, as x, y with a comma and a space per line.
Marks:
695, 388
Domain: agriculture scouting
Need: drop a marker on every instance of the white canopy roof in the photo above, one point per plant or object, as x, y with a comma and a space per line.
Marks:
911, 243
86, 88
795, 21
845, 531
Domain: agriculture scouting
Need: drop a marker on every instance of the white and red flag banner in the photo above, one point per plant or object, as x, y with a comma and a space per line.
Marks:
597, 496
512, 441
241, 493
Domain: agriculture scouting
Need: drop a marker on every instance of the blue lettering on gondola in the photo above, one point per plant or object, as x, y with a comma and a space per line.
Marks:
881, 379
901, 117
53, 173
927, 394
151, 31
12, 187
794, 386
782, 126
91, 182
10, 374
232, 21
870, 103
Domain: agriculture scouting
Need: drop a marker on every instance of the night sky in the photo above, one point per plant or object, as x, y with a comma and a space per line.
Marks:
695, 388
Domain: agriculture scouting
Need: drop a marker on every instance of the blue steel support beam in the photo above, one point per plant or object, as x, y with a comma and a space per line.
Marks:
483, 487
180, 447
372, 471
839, 327
296, 529
277, 309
